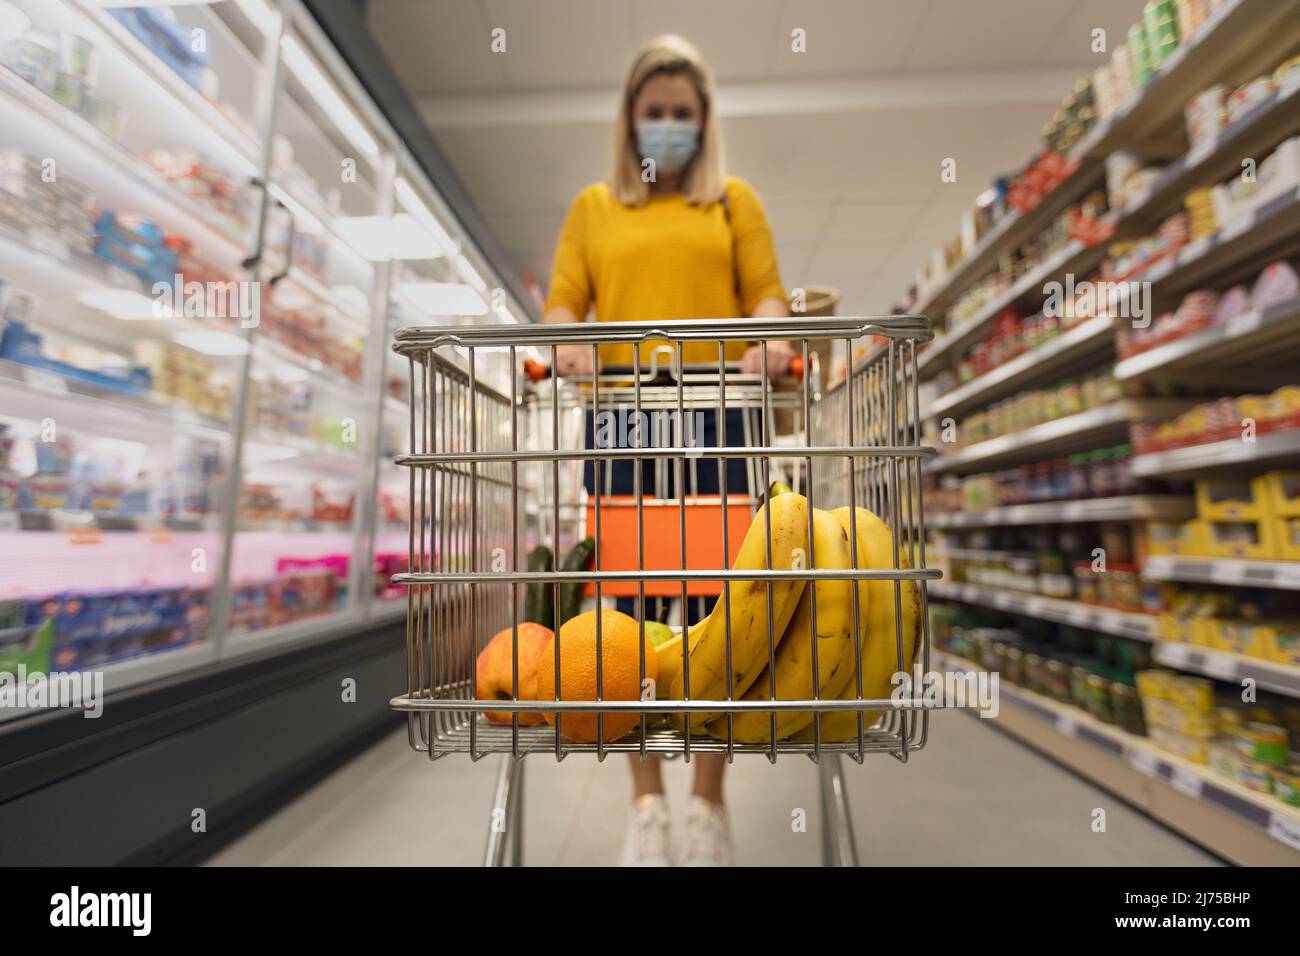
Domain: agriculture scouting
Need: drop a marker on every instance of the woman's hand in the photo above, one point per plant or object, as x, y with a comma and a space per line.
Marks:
573, 360
779, 355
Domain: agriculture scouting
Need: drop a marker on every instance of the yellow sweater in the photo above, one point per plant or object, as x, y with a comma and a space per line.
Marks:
665, 260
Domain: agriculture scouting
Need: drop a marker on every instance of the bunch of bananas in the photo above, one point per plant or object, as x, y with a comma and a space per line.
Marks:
796, 607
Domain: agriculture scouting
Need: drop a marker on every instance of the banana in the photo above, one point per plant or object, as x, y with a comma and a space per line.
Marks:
707, 648
879, 643
835, 641
669, 656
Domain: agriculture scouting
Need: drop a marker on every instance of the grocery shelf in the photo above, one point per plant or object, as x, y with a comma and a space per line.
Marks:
267, 348
1269, 450
221, 131
1234, 668
1269, 335
1131, 624
1258, 30
1234, 572
1079, 347
1238, 28
1246, 827
305, 445
1011, 231
149, 187
1213, 160
1088, 429
273, 526
1074, 257
37, 393
68, 522
1126, 508
1239, 241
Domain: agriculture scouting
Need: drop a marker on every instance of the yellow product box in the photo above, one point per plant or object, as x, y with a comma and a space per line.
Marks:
1177, 538
1192, 693
1166, 714
1231, 499
1281, 493
1237, 636
1286, 537
1186, 630
1154, 684
1279, 642
1250, 539
1195, 749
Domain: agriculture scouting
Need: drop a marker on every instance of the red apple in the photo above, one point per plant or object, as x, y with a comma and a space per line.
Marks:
493, 670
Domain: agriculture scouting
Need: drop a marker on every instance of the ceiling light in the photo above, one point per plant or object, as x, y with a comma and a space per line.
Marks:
212, 343
444, 298
125, 304
318, 84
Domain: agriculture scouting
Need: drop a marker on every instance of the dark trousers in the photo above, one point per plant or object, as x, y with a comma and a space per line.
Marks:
700, 476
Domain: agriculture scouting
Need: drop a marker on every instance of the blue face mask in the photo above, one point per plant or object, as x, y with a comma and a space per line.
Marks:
670, 143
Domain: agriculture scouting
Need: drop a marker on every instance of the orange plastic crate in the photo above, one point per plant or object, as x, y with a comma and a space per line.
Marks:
661, 528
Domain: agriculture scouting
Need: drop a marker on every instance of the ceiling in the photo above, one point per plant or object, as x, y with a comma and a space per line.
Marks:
843, 143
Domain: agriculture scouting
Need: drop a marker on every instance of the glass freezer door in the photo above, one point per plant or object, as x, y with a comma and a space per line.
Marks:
312, 392
128, 140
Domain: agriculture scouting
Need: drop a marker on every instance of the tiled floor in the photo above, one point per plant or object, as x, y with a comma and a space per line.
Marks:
973, 796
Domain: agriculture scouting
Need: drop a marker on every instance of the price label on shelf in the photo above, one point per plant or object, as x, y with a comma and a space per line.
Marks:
1219, 666
1200, 151
1288, 574
84, 535
1066, 724
1236, 227
1244, 323
1285, 828
1144, 761
1228, 572
1187, 782
45, 379
1175, 655
160, 535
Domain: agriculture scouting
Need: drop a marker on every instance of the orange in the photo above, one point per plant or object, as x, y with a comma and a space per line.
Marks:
620, 678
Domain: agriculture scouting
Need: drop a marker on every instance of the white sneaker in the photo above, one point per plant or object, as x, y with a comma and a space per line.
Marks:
646, 842
708, 838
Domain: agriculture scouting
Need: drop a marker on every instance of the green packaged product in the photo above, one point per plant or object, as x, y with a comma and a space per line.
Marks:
1137, 52
1286, 785
1160, 24
1126, 707
1099, 698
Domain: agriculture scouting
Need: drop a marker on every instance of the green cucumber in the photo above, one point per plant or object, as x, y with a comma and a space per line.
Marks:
538, 605
578, 559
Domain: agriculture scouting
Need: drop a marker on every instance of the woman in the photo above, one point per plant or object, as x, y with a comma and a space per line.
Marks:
670, 236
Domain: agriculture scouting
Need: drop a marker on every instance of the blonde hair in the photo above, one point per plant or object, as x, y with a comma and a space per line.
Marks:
704, 181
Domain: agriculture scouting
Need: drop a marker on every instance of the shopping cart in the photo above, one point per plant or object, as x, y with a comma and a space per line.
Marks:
488, 463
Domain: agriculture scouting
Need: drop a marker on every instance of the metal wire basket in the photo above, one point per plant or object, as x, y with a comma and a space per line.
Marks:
486, 467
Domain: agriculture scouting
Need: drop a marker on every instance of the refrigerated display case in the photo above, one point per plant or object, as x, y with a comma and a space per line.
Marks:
208, 232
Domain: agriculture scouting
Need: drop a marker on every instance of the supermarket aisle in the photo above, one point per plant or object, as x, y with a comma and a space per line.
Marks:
973, 797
